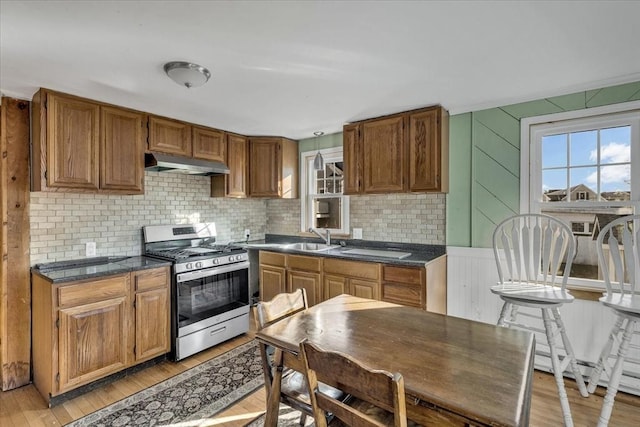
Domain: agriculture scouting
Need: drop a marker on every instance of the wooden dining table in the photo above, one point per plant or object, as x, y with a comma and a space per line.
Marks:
456, 371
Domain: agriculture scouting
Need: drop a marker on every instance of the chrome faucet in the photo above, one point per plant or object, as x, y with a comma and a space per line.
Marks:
326, 239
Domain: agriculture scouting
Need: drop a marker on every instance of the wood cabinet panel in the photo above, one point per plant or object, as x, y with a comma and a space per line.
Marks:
364, 288
122, 150
305, 263
152, 323
309, 281
100, 289
72, 142
265, 164
334, 286
273, 258
425, 150
362, 270
208, 144
272, 282
238, 178
383, 146
92, 341
150, 279
352, 156
404, 285
169, 136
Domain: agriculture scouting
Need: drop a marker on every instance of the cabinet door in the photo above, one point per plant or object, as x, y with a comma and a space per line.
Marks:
92, 341
364, 289
383, 155
72, 142
169, 136
209, 144
424, 151
352, 152
152, 323
308, 281
265, 167
237, 179
272, 281
334, 286
121, 150
404, 285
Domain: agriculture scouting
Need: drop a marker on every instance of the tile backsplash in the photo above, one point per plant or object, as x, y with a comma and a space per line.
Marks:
61, 223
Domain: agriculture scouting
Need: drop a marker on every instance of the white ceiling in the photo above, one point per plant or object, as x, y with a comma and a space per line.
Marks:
291, 68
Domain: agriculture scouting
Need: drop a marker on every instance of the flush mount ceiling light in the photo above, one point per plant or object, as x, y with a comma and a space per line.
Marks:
318, 161
187, 74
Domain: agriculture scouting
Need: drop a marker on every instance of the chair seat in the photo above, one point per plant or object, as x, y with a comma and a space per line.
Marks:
629, 304
533, 292
294, 385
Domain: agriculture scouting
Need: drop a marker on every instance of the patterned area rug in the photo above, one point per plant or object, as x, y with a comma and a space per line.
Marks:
287, 417
197, 393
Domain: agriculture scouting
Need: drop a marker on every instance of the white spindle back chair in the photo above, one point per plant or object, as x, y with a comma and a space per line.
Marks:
621, 274
530, 250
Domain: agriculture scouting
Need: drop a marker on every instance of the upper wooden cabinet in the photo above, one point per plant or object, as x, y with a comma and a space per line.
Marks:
404, 152
169, 136
85, 146
273, 167
238, 178
209, 144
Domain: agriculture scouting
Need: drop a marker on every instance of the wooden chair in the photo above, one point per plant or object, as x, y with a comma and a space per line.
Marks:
379, 395
621, 274
529, 250
293, 385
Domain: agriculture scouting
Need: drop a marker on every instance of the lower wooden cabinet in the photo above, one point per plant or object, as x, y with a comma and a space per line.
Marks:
273, 274
305, 272
86, 330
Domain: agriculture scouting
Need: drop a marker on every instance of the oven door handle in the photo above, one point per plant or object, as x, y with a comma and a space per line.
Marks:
199, 274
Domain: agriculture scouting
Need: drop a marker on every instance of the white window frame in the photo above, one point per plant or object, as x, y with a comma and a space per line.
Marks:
307, 180
531, 159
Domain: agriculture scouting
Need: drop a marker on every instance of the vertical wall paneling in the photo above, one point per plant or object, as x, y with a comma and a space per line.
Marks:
459, 219
15, 285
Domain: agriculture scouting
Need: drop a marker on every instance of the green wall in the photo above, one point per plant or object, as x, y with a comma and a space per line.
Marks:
324, 141
485, 160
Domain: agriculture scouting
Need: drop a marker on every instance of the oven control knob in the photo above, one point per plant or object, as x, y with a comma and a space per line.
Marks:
189, 266
215, 261
198, 264
231, 259
238, 257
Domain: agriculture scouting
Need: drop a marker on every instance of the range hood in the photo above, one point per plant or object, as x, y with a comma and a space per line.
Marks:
160, 162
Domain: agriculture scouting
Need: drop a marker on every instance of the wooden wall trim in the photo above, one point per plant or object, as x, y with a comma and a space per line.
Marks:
15, 285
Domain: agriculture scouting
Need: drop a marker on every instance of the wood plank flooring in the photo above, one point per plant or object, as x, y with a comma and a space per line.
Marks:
25, 407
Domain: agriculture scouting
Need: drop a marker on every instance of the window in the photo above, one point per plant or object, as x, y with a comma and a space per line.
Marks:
584, 168
323, 204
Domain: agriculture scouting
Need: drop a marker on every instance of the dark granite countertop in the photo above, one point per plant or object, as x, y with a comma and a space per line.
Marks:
421, 254
87, 268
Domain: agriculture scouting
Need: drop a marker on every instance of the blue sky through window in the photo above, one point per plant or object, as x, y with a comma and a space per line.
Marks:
571, 159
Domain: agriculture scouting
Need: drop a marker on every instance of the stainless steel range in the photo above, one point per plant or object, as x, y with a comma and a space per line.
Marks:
210, 285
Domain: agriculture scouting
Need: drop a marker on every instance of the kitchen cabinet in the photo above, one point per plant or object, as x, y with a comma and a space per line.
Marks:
169, 136
236, 182
305, 272
399, 153
360, 279
273, 275
208, 144
85, 146
404, 285
273, 167
88, 329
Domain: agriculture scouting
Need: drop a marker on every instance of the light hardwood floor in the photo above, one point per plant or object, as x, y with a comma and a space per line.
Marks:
25, 407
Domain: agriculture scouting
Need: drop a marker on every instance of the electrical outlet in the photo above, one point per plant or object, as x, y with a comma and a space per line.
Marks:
247, 232
357, 233
90, 249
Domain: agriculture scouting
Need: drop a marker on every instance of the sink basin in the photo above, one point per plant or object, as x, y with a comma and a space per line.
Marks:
311, 247
378, 252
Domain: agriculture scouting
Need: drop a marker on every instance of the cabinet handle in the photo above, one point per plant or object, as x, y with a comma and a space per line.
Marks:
217, 331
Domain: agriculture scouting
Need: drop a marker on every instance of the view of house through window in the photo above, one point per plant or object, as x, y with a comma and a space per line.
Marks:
323, 204
585, 172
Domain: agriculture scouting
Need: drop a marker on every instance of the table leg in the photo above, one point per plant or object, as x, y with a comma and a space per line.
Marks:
273, 400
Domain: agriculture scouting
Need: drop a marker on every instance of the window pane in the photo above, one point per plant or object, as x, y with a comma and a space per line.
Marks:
554, 184
584, 148
326, 212
615, 145
554, 151
584, 183
616, 178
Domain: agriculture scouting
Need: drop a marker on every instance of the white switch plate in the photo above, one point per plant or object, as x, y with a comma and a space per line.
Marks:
247, 232
357, 233
90, 249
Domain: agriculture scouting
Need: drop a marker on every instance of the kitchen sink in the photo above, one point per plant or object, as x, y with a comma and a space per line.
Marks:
377, 252
310, 247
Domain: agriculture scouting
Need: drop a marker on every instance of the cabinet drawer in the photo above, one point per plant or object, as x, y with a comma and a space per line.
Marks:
151, 279
364, 270
306, 263
413, 276
273, 258
92, 291
405, 294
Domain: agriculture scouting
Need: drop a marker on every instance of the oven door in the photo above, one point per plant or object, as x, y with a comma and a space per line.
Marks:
210, 296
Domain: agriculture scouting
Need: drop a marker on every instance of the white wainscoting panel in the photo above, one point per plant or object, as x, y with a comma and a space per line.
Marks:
472, 271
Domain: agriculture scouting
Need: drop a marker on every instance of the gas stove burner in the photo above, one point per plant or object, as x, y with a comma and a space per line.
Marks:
182, 253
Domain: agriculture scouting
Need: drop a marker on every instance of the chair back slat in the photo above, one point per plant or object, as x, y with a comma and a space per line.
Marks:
377, 387
533, 249
621, 268
281, 306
